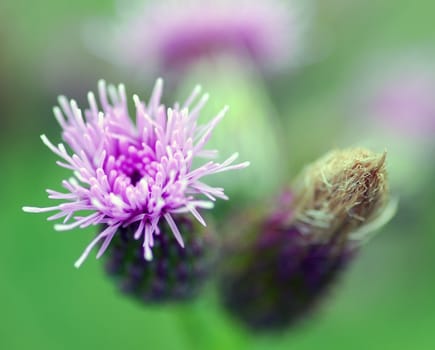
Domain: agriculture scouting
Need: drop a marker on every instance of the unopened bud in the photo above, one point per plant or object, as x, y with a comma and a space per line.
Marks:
281, 264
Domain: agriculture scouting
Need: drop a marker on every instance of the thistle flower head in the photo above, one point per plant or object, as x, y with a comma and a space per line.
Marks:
167, 35
133, 172
283, 263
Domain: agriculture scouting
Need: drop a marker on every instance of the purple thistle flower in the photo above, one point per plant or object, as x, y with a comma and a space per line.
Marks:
138, 173
168, 35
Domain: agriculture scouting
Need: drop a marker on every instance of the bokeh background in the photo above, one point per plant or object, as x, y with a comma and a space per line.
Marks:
385, 300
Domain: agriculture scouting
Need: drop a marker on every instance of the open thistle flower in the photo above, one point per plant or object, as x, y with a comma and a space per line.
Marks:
133, 173
282, 264
169, 36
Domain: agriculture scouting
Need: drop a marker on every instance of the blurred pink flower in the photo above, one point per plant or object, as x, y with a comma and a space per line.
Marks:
402, 97
169, 36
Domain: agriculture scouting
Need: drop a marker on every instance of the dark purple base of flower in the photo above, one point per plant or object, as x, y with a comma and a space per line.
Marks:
280, 280
174, 274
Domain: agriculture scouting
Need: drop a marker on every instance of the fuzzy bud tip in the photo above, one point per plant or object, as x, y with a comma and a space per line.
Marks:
341, 192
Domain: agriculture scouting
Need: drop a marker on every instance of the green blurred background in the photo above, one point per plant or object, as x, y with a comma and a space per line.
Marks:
385, 300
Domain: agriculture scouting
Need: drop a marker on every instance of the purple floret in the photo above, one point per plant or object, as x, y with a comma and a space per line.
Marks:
127, 172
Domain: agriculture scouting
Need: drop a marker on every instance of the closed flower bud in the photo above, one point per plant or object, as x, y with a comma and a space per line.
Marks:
176, 273
281, 264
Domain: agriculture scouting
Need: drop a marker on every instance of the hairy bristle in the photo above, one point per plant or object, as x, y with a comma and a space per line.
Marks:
341, 192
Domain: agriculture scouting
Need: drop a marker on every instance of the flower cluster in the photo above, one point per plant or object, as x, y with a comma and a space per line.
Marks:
129, 172
169, 36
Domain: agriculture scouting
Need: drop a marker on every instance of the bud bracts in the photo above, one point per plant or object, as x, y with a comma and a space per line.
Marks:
175, 274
